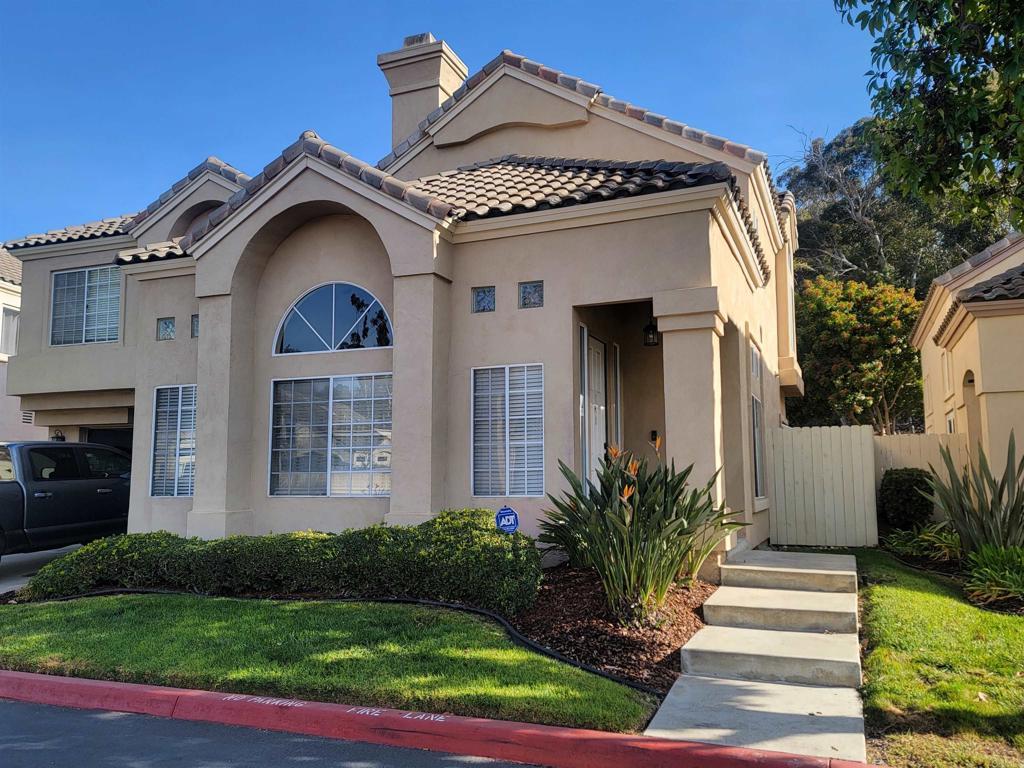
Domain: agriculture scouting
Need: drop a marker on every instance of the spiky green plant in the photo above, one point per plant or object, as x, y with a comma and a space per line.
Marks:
983, 510
935, 541
995, 574
639, 526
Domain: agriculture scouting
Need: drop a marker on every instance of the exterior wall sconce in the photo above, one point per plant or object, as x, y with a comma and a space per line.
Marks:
651, 336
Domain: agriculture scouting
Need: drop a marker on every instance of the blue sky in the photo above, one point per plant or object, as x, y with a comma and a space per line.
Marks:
104, 104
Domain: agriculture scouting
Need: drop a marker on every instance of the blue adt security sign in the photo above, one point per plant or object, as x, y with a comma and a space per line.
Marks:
507, 520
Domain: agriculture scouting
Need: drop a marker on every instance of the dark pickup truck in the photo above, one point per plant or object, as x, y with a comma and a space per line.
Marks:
54, 494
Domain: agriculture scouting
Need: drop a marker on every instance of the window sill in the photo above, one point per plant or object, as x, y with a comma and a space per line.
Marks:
760, 504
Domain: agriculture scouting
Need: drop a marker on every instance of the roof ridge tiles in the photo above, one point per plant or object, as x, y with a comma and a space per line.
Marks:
310, 144
106, 227
211, 163
577, 85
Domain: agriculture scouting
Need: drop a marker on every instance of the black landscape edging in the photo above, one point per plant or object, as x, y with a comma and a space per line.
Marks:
514, 635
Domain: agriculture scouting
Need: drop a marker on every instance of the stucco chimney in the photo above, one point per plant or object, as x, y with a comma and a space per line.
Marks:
421, 74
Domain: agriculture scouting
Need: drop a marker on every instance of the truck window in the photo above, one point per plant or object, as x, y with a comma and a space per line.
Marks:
53, 463
6, 465
104, 464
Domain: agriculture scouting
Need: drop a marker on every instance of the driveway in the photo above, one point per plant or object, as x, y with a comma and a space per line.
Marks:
16, 570
39, 736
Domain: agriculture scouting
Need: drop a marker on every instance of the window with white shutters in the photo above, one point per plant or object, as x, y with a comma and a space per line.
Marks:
85, 306
508, 431
174, 441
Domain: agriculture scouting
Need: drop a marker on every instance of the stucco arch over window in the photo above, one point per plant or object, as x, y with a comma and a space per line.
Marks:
331, 317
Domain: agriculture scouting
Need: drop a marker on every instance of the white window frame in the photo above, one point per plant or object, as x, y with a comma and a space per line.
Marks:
543, 447
177, 443
287, 312
3, 328
330, 429
85, 303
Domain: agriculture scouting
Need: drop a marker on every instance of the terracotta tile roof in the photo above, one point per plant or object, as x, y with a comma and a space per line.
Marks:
214, 164
10, 267
518, 184
577, 85
154, 252
310, 144
1004, 286
116, 225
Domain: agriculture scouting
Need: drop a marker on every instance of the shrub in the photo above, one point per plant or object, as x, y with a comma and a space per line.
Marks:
639, 527
995, 574
937, 541
902, 498
984, 511
457, 557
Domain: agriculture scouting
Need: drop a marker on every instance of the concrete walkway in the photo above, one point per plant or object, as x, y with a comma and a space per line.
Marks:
778, 664
16, 570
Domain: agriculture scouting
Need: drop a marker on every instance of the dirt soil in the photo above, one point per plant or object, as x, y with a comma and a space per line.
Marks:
571, 617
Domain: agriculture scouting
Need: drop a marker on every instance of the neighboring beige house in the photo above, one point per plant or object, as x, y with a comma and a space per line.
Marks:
971, 337
15, 424
537, 270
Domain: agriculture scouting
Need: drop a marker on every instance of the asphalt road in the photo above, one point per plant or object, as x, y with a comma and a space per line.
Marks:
16, 570
39, 736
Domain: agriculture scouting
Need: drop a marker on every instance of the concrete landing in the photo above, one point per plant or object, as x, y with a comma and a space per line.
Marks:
806, 720
791, 570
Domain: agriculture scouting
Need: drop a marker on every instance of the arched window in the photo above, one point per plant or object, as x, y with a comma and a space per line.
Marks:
334, 316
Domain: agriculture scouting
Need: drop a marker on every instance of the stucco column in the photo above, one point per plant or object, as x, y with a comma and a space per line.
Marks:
691, 328
419, 398
221, 505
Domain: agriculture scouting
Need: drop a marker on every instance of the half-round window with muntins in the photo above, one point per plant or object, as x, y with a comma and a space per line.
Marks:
334, 317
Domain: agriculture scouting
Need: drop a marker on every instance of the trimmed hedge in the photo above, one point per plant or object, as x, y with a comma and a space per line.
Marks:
457, 557
900, 500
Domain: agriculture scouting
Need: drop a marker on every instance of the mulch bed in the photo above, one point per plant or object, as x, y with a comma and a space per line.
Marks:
571, 617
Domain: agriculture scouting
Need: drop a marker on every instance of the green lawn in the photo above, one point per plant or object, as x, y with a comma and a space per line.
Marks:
944, 679
400, 656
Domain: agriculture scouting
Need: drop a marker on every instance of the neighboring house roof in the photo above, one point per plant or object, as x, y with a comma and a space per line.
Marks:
517, 184
578, 85
10, 267
116, 225
154, 252
974, 262
213, 164
1004, 286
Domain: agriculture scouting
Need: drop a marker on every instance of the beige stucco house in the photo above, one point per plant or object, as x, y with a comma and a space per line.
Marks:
535, 271
971, 337
15, 424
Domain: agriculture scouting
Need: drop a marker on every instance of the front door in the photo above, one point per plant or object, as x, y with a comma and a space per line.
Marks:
597, 403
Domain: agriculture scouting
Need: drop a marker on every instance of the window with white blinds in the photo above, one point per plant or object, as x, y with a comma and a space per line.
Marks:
85, 306
174, 441
508, 431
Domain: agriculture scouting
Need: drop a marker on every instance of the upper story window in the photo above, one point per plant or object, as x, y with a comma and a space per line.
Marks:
85, 306
9, 331
333, 317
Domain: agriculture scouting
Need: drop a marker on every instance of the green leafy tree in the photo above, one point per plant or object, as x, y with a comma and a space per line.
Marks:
947, 87
853, 227
856, 355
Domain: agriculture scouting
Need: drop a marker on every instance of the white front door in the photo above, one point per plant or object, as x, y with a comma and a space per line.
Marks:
597, 404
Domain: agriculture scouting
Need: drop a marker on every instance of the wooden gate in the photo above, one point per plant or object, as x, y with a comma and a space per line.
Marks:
823, 486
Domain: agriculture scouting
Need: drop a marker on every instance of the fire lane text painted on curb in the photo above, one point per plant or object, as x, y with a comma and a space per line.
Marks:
264, 700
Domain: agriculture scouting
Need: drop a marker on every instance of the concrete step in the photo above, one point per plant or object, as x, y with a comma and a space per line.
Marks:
783, 609
774, 656
791, 570
801, 719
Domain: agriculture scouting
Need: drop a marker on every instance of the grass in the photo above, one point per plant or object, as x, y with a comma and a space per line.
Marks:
944, 678
373, 654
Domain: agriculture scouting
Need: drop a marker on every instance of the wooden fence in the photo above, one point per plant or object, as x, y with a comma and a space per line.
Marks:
823, 480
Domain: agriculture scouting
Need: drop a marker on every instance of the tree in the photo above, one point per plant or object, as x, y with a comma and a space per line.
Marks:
947, 87
853, 227
856, 355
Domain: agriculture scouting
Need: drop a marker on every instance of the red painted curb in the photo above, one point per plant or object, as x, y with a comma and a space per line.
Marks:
499, 739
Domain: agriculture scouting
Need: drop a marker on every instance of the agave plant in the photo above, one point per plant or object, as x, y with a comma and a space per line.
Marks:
983, 510
641, 527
